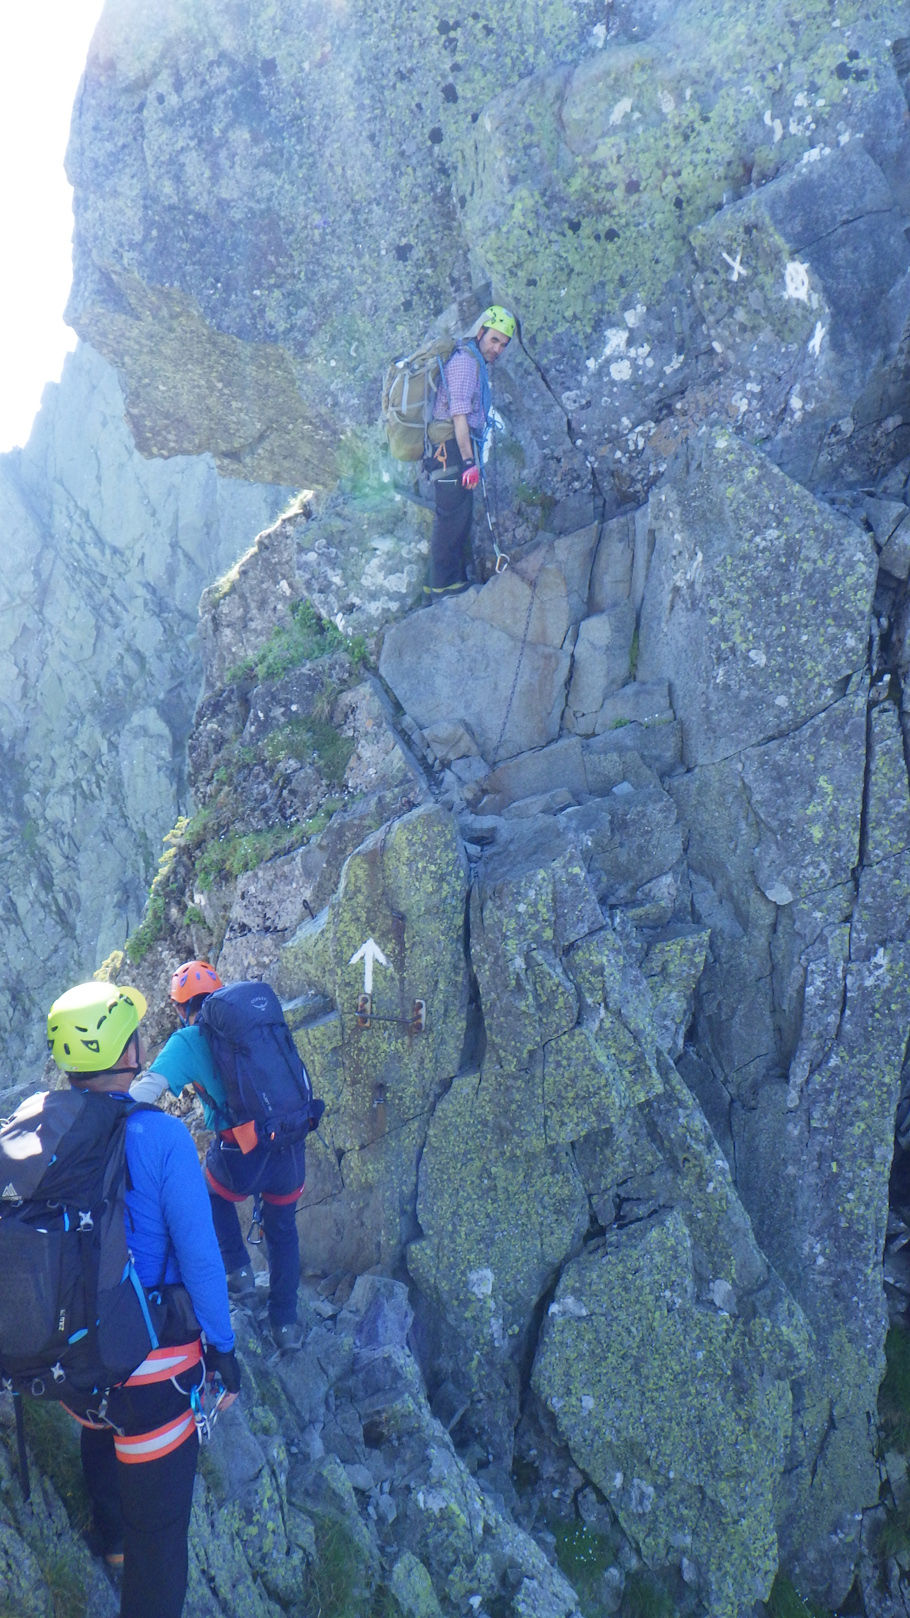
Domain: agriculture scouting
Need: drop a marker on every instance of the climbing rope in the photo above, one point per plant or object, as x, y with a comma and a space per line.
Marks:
502, 560
521, 652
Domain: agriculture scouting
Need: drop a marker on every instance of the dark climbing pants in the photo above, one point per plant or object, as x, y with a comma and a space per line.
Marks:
144, 1505
278, 1179
450, 542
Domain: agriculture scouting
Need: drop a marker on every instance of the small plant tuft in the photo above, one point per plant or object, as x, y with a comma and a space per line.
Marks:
312, 738
893, 1538
307, 638
892, 1542
53, 1446
785, 1601
338, 1579
149, 930
233, 855
646, 1596
584, 1555
111, 967
152, 925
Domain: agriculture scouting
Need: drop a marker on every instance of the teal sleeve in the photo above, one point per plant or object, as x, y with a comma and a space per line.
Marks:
187, 1059
180, 1061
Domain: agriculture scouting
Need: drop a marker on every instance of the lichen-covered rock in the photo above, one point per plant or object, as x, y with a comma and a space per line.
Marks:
412, 1587
840, 1206
673, 965
631, 843
498, 1208
778, 820
524, 916
593, 181
511, 1169
742, 603
816, 306
679, 1412
217, 271
646, 1021
602, 663
402, 892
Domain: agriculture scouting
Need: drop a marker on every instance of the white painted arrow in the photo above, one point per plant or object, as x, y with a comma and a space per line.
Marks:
371, 955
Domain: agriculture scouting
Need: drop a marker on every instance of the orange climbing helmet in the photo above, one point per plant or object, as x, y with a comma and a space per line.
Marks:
192, 978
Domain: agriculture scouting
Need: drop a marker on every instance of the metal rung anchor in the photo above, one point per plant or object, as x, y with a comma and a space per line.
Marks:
415, 1024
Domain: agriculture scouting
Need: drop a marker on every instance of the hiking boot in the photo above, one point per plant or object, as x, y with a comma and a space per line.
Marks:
288, 1338
111, 1555
241, 1284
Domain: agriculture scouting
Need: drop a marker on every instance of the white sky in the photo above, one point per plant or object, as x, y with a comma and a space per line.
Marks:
43, 46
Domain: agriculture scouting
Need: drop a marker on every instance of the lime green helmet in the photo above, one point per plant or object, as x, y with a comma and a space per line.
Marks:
89, 1026
499, 319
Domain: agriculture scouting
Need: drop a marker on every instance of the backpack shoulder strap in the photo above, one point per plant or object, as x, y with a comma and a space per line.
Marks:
220, 1111
119, 1135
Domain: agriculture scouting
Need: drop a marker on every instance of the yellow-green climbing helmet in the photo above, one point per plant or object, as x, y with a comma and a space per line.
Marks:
88, 1026
499, 319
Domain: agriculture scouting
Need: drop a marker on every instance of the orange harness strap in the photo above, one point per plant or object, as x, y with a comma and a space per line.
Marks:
159, 1366
96, 1426
163, 1363
222, 1190
277, 1199
152, 1446
283, 1200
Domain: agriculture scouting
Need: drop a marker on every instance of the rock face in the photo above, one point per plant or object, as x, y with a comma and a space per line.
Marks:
227, 274
641, 990
693, 208
628, 824
106, 554
332, 1485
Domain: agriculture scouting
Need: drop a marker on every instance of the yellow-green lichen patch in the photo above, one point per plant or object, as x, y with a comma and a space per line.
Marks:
497, 1211
670, 1408
639, 143
733, 534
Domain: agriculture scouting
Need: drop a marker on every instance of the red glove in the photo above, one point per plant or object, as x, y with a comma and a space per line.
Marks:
470, 477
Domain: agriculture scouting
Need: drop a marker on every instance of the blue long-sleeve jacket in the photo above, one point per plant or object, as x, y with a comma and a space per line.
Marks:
169, 1222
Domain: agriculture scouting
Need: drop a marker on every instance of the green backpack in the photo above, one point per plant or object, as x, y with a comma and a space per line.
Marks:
408, 395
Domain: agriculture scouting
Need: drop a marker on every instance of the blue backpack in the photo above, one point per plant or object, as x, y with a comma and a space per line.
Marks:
253, 1049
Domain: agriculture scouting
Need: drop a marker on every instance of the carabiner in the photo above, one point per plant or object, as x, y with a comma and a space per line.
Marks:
205, 1419
502, 562
203, 1424
256, 1223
